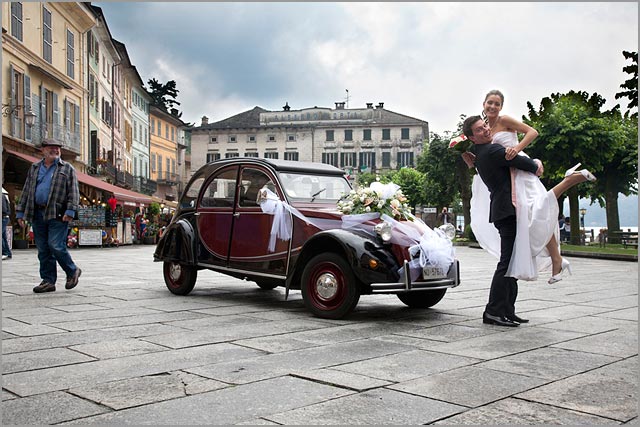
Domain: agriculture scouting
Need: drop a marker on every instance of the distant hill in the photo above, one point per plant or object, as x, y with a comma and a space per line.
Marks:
596, 216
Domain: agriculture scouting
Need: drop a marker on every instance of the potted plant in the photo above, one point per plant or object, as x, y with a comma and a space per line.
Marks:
150, 234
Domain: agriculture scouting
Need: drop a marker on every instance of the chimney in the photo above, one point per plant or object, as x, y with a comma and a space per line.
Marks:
286, 106
205, 120
380, 105
369, 104
339, 105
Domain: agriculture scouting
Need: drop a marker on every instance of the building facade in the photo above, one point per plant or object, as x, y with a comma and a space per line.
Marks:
43, 74
164, 152
358, 139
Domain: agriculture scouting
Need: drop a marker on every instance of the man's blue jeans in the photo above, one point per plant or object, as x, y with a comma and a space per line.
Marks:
5, 244
51, 241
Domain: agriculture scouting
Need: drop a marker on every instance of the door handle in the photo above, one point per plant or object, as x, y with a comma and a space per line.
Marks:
237, 214
196, 214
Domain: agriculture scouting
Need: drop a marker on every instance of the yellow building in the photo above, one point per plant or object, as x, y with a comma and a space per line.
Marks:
43, 72
165, 143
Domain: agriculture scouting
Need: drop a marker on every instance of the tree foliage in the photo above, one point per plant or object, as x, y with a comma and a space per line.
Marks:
572, 128
164, 96
631, 85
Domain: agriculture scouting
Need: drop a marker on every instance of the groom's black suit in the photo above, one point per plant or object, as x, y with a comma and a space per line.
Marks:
494, 171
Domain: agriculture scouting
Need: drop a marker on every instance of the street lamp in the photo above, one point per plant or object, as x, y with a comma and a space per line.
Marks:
583, 212
118, 164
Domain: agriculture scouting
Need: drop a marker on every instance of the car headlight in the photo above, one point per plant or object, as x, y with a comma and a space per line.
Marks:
383, 229
449, 230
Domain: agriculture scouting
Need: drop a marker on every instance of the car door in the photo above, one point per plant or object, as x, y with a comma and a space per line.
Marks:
249, 249
215, 216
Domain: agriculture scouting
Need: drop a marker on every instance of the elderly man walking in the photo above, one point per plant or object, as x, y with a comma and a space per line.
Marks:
49, 200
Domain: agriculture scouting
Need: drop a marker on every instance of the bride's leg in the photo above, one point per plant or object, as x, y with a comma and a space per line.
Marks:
567, 183
556, 257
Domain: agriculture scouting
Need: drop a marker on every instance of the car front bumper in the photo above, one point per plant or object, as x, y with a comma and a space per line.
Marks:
451, 281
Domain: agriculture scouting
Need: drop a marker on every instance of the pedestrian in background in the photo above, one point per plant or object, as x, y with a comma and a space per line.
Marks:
49, 201
445, 216
6, 214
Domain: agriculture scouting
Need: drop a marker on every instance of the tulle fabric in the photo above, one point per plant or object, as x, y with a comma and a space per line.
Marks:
536, 216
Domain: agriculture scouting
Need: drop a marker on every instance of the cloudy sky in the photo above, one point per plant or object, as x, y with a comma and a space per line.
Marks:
432, 61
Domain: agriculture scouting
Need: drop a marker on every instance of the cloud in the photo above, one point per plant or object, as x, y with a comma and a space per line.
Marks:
432, 61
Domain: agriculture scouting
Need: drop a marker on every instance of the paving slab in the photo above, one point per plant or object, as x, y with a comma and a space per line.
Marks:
230, 405
117, 348
406, 365
621, 342
520, 412
48, 408
376, 407
549, 363
341, 379
148, 389
507, 341
65, 377
278, 364
38, 359
610, 391
469, 386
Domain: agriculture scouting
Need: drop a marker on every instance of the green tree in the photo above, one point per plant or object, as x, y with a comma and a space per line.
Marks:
447, 177
164, 96
631, 85
412, 183
572, 129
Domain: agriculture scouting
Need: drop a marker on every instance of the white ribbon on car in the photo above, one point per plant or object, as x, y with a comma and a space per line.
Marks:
435, 248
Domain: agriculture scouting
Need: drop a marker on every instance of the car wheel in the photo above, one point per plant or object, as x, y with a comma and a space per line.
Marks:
329, 288
422, 299
179, 278
267, 285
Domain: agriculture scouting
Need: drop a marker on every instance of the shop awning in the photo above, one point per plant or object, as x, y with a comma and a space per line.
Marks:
167, 203
121, 194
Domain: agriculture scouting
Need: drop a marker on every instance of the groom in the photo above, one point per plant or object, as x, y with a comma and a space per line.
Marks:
494, 170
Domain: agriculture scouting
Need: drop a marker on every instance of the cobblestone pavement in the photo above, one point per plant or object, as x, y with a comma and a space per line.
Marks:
121, 349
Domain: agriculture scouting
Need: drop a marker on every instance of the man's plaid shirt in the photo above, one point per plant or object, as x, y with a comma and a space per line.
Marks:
64, 193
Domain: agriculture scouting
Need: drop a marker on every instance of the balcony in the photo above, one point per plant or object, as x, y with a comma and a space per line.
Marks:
144, 185
166, 178
70, 140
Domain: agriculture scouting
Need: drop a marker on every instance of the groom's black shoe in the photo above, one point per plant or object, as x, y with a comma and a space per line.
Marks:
498, 320
515, 318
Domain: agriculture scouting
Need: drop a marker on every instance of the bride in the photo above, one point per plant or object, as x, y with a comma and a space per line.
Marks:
537, 246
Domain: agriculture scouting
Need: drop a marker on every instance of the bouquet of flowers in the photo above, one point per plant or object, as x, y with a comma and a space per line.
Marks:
382, 198
460, 143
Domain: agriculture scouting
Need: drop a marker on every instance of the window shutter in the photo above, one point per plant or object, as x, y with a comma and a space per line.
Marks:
76, 119
12, 96
67, 114
43, 111
27, 105
56, 114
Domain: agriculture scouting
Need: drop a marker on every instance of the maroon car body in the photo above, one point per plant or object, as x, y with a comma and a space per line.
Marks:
220, 225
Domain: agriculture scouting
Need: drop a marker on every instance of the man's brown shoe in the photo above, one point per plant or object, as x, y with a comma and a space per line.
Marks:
73, 280
44, 286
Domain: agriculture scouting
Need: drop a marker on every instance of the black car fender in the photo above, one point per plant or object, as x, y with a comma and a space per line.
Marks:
357, 247
177, 244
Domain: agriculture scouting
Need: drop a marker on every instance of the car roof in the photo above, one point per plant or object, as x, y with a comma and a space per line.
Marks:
282, 165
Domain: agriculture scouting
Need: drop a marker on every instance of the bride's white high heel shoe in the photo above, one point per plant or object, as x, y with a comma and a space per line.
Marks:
588, 175
558, 277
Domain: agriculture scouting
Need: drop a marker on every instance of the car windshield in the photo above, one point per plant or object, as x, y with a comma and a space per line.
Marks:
314, 188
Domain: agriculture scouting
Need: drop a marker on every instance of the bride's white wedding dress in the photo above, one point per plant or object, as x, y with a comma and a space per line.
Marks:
536, 214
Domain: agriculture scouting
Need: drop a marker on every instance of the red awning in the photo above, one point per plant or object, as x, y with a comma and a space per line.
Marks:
120, 194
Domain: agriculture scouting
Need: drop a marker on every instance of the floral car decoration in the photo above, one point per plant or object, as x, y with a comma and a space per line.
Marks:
385, 199
300, 226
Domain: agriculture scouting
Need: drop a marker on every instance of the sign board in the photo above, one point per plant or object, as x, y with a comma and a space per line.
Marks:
429, 210
89, 237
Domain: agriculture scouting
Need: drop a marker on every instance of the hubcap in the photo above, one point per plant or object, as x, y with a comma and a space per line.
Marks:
327, 286
175, 271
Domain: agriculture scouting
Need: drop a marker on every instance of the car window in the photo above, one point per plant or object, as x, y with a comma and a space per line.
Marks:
314, 187
191, 194
221, 191
250, 184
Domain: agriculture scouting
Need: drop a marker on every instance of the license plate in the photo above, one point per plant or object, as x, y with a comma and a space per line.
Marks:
433, 273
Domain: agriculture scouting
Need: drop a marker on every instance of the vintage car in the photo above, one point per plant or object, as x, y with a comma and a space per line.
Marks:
221, 225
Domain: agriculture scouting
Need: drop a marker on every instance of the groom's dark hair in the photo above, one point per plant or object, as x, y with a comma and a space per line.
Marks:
466, 126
